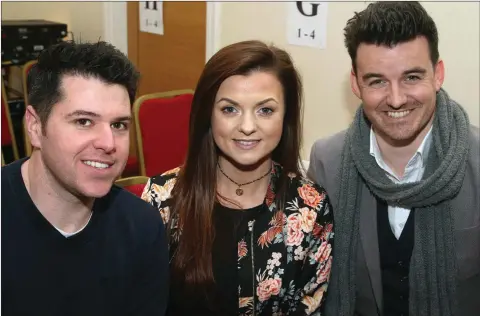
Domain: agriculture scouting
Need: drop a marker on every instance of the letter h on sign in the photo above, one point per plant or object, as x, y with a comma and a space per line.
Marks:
147, 5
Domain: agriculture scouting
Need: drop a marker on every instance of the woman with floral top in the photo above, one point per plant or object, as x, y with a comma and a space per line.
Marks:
248, 234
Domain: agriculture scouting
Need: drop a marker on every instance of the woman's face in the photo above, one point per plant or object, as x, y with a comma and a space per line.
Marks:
247, 117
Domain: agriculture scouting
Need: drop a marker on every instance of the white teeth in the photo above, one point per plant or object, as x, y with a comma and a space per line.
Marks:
247, 142
96, 164
398, 114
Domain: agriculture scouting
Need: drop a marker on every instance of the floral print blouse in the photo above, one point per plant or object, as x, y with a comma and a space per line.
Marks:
285, 257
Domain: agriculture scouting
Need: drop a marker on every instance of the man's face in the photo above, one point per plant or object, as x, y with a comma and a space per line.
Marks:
398, 88
85, 144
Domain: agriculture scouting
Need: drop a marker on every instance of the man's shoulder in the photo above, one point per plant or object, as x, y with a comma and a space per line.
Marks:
475, 135
474, 150
7, 172
330, 146
12, 182
13, 168
131, 210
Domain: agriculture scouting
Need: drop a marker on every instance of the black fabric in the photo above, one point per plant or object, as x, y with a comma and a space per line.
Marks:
395, 257
222, 298
117, 265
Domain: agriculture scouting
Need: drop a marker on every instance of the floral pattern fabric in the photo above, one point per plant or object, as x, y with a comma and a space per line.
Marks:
285, 257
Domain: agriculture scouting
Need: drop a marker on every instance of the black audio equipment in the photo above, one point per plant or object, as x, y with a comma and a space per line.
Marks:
23, 40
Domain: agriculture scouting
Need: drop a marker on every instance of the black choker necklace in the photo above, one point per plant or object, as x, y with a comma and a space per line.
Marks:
239, 191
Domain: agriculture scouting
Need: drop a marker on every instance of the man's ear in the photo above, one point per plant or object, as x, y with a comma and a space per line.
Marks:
34, 127
354, 84
439, 74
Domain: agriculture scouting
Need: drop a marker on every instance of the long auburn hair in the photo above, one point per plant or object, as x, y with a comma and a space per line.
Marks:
194, 194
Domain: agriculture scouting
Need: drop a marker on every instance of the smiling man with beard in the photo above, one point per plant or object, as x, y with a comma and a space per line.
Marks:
71, 243
404, 177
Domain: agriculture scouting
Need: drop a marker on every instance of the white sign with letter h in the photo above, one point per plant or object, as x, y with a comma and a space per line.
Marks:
151, 16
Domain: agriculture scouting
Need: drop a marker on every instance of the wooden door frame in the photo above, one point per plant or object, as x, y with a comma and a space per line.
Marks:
115, 26
115, 31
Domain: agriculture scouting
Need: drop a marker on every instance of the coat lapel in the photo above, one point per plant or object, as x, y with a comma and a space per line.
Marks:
369, 239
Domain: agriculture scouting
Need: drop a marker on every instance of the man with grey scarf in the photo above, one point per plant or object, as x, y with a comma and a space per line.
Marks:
404, 177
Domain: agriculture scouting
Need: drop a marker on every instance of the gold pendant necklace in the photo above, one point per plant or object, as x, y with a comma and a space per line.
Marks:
239, 190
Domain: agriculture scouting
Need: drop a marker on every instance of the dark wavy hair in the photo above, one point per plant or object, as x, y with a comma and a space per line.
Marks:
194, 194
99, 60
389, 23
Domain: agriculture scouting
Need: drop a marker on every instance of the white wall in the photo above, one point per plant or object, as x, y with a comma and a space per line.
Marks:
329, 102
84, 19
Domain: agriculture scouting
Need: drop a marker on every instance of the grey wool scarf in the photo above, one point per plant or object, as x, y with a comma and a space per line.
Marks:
433, 267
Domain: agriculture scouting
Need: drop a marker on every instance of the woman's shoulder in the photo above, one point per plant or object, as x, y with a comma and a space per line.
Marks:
167, 176
306, 193
159, 188
299, 183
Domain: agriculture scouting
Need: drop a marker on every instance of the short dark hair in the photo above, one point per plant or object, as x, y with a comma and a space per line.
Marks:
389, 23
99, 60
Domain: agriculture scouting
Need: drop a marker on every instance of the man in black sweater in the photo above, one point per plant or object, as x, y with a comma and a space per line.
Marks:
71, 243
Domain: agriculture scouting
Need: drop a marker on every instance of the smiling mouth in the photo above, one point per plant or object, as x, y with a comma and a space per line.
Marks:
97, 164
398, 114
246, 144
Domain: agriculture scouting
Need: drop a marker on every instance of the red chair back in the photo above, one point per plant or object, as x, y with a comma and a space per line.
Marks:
7, 136
134, 185
136, 189
162, 131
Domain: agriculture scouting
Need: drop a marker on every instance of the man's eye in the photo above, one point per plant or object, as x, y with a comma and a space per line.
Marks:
377, 82
413, 78
119, 125
84, 122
